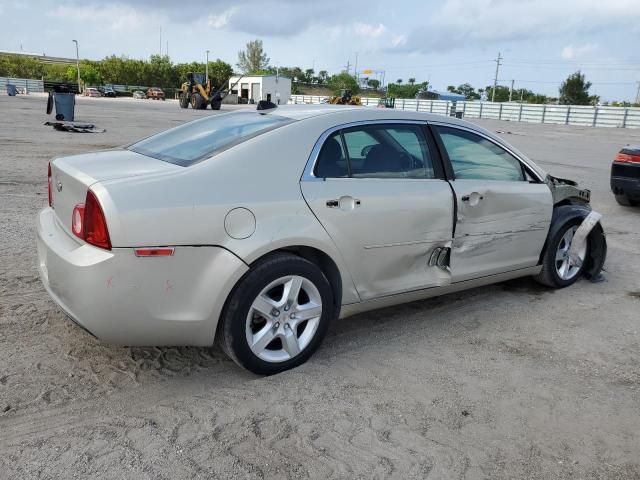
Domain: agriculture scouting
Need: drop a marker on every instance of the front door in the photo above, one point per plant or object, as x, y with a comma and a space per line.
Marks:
375, 191
503, 212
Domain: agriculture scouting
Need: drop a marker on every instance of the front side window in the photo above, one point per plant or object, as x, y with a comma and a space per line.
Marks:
475, 157
197, 140
376, 151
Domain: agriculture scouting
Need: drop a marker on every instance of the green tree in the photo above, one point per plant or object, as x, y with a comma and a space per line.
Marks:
89, 74
397, 90
20, 66
411, 81
323, 76
373, 83
343, 81
465, 89
254, 58
575, 91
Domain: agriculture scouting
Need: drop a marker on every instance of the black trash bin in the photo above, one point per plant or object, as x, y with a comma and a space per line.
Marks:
65, 106
11, 90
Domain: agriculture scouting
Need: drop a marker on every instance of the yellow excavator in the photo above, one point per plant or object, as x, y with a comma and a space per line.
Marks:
345, 98
198, 91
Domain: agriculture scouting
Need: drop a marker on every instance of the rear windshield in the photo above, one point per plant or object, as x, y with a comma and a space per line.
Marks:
200, 139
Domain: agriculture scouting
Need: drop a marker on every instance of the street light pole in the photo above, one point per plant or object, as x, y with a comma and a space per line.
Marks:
77, 63
206, 75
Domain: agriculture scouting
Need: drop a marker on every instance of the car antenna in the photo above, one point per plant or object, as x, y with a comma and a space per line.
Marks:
266, 105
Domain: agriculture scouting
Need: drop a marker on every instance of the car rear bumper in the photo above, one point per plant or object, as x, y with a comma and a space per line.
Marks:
625, 180
129, 300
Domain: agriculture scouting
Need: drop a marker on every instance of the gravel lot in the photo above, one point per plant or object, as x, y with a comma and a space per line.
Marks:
507, 381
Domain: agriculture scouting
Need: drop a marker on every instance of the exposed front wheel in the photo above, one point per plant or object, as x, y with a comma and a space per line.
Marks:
277, 315
558, 270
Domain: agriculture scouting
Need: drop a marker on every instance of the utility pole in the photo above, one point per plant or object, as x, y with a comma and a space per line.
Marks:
167, 50
355, 68
495, 79
160, 40
511, 90
206, 69
348, 66
638, 94
77, 63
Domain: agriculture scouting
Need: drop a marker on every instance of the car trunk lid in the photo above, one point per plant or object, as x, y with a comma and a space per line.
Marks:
72, 176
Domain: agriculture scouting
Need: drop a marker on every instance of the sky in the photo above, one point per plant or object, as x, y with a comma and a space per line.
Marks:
447, 42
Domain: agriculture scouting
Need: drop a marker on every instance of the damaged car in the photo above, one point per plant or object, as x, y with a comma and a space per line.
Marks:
257, 228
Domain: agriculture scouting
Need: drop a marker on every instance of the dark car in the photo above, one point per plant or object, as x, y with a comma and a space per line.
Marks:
155, 93
107, 91
625, 176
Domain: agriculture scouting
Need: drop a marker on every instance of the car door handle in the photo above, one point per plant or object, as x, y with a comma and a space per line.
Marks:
467, 198
344, 203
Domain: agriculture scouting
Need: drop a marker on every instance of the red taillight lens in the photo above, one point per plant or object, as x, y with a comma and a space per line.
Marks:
77, 221
626, 158
50, 185
95, 225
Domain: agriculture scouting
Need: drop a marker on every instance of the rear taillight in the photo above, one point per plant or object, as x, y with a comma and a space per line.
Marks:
626, 158
89, 224
50, 185
95, 225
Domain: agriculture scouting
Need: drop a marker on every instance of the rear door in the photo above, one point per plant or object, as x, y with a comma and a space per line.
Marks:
379, 192
503, 213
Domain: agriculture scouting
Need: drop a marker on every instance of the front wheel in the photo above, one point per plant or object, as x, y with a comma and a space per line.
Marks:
277, 315
557, 269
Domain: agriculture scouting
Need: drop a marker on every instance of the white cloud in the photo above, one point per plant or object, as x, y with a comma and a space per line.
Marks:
461, 22
113, 17
370, 31
570, 52
222, 20
398, 40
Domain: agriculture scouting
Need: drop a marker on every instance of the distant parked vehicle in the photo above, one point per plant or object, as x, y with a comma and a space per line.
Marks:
107, 91
625, 176
139, 94
155, 93
92, 92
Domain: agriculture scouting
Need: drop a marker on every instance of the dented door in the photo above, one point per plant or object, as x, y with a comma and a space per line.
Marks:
501, 226
503, 213
385, 229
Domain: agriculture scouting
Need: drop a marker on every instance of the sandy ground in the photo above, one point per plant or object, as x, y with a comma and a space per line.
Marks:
507, 381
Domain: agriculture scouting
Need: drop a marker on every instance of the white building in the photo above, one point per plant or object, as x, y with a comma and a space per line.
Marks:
273, 88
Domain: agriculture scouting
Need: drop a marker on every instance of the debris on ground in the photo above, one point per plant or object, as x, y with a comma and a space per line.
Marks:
75, 127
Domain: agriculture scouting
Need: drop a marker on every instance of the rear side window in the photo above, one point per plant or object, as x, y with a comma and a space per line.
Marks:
376, 151
197, 140
475, 157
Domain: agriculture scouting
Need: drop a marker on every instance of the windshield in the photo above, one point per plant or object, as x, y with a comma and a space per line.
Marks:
200, 139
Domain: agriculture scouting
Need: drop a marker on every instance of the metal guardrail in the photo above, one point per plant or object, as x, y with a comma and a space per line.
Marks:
588, 116
21, 84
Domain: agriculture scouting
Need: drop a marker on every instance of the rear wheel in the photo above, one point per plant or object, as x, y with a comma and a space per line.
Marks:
277, 316
557, 269
216, 104
622, 199
183, 100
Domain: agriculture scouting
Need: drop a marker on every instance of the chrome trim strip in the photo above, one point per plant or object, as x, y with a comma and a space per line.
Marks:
308, 176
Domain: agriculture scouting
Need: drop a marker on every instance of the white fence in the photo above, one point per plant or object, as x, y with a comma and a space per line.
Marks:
619, 117
21, 84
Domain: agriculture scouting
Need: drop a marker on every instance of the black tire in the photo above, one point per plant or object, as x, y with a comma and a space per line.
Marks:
198, 102
216, 104
622, 199
183, 100
549, 275
232, 329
